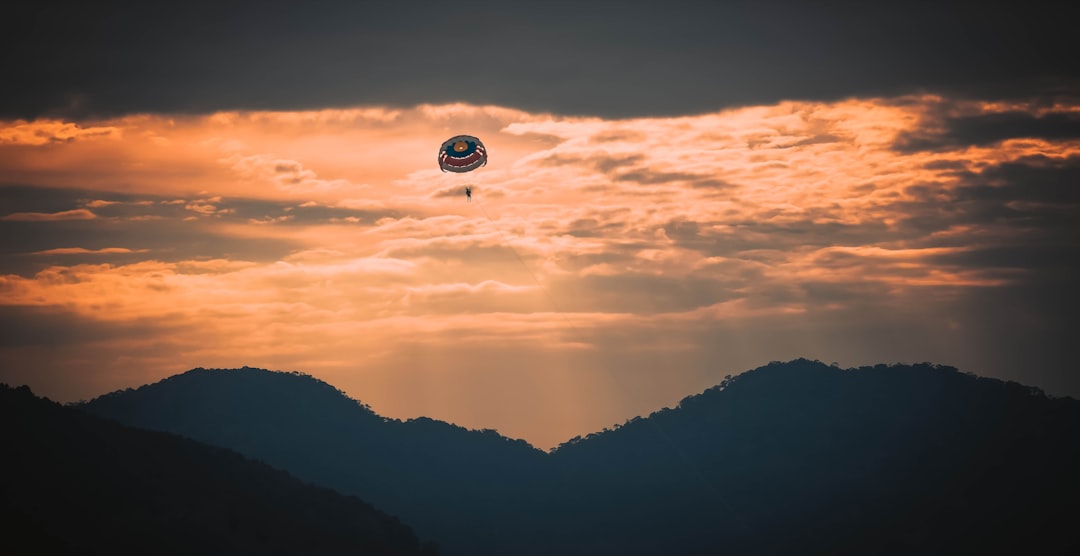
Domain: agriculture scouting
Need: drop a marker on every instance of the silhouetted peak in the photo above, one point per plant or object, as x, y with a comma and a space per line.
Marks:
252, 388
802, 377
804, 389
227, 400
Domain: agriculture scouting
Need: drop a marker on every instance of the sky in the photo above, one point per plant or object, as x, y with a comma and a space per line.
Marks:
674, 193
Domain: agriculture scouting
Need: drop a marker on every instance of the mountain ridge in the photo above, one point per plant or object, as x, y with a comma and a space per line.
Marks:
682, 403
801, 446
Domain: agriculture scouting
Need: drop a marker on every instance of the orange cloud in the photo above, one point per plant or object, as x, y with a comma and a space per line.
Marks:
47, 132
76, 214
83, 251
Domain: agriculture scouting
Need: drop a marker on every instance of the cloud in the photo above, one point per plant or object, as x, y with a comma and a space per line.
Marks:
1038, 179
75, 214
985, 129
29, 325
98, 203
82, 251
326, 157
286, 174
615, 63
47, 132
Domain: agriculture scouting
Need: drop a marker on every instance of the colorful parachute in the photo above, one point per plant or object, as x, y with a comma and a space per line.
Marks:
462, 153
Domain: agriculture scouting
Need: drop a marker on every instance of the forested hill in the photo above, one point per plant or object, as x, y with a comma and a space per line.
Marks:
72, 483
801, 457
797, 457
440, 478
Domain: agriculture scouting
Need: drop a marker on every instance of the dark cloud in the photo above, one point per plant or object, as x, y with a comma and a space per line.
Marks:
290, 213
651, 177
576, 262
991, 128
643, 293
831, 292
618, 135
592, 227
945, 165
1016, 222
22, 325
1035, 179
633, 168
613, 59
152, 227
109, 205
1029, 204
604, 163
16, 198
469, 254
823, 139
986, 129
1043, 258
739, 235
161, 240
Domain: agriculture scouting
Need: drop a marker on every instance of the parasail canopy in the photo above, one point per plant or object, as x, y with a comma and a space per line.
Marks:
462, 153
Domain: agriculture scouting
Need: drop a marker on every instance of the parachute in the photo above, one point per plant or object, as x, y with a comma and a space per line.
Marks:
462, 153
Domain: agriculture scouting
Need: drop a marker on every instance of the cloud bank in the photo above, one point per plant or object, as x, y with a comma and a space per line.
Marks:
624, 59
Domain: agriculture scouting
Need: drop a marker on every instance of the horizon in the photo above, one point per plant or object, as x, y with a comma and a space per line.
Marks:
672, 196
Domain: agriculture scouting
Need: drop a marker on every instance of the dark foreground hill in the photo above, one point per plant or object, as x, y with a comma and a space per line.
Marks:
443, 480
791, 458
71, 483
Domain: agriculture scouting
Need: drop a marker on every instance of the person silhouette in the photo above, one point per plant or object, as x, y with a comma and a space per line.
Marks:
468, 194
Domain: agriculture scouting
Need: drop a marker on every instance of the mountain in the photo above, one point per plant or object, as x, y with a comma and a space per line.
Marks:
804, 458
72, 483
440, 478
795, 457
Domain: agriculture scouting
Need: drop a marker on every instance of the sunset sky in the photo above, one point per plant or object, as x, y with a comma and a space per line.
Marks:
674, 193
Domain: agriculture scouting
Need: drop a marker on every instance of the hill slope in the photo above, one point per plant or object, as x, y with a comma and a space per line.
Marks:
73, 483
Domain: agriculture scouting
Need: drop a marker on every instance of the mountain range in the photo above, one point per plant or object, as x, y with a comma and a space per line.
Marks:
796, 457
